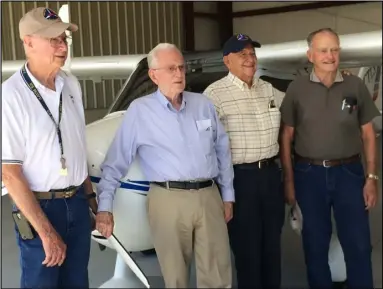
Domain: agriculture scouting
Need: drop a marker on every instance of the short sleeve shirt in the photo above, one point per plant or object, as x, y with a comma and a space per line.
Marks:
327, 121
29, 136
250, 115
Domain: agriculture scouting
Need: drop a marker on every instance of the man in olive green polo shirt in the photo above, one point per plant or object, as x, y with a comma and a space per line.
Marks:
329, 116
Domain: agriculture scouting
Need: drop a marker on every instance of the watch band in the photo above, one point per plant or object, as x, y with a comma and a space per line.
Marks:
372, 176
90, 196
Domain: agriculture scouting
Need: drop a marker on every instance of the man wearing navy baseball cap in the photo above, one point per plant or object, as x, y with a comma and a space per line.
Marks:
238, 42
249, 109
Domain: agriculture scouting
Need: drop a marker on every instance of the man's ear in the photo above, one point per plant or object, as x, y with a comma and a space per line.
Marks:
309, 55
152, 76
226, 61
27, 41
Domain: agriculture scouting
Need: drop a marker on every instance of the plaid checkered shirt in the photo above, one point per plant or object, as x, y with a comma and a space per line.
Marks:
250, 115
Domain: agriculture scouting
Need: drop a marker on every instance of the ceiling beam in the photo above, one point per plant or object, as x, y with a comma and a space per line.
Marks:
225, 20
188, 19
294, 8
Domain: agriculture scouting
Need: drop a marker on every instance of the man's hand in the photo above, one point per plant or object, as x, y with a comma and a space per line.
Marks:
370, 193
105, 223
54, 248
228, 206
289, 192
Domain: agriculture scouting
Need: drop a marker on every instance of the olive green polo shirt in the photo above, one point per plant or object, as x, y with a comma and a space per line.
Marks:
327, 121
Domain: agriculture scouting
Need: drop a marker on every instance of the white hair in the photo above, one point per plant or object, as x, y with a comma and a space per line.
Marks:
152, 55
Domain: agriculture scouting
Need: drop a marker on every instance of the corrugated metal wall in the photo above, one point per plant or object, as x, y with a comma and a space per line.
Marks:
105, 28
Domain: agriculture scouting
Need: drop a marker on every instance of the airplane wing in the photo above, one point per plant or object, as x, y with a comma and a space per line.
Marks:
358, 50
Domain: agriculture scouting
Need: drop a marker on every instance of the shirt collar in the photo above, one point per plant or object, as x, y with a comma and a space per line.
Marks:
59, 81
166, 103
241, 84
314, 78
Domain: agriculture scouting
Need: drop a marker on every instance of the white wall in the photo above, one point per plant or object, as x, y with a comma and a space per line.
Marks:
206, 31
293, 26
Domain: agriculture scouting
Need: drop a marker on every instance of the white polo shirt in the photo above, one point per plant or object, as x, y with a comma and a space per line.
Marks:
29, 136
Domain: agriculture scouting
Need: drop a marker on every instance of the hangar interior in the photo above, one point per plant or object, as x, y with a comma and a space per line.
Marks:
126, 28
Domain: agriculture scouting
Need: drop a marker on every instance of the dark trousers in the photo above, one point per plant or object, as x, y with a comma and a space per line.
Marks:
70, 218
318, 189
255, 230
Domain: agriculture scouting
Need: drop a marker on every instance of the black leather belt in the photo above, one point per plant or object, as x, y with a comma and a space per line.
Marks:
259, 164
188, 185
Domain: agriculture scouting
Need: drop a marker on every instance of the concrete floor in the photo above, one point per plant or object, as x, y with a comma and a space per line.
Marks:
101, 266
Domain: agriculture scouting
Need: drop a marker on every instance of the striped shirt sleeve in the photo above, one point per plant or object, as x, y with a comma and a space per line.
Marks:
13, 137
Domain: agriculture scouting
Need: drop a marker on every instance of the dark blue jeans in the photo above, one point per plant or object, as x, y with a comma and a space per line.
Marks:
70, 218
318, 189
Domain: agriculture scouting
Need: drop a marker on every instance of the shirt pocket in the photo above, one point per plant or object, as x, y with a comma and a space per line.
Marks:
205, 135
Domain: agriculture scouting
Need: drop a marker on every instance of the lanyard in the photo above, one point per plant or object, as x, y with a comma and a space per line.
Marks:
33, 88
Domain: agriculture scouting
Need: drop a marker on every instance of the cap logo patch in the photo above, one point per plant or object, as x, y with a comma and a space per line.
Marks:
50, 14
242, 37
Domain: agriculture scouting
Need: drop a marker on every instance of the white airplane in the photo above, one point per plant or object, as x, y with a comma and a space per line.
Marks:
278, 63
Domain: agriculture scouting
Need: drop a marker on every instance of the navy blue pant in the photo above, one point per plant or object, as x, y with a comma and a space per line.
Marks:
70, 218
256, 227
318, 190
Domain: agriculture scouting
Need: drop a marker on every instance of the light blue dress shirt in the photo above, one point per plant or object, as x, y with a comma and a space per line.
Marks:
170, 145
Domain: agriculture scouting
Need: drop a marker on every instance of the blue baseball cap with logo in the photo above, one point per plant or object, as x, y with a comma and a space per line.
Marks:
237, 43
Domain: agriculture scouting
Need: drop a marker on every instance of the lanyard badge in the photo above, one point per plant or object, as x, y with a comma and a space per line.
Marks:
32, 87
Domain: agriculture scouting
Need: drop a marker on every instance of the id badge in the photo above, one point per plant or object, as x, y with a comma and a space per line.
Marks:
64, 172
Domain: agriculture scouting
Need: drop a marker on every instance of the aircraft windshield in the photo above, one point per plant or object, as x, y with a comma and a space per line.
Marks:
200, 74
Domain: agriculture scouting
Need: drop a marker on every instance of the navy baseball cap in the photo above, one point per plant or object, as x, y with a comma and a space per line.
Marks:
238, 42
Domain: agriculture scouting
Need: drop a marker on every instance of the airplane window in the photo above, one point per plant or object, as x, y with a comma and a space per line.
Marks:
280, 84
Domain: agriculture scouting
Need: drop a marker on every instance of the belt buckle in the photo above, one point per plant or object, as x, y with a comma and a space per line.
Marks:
68, 194
194, 182
324, 164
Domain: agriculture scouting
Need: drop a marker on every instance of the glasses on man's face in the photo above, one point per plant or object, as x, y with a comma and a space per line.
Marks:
58, 41
173, 69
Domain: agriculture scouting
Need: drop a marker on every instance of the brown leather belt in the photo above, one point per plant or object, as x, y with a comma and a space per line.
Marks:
57, 194
327, 163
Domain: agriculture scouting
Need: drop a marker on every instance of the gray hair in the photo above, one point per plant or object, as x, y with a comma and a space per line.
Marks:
152, 55
311, 36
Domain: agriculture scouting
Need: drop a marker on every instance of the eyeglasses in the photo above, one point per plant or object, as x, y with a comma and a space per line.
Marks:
58, 41
173, 69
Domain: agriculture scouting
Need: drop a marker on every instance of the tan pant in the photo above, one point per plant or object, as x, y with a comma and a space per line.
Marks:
183, 220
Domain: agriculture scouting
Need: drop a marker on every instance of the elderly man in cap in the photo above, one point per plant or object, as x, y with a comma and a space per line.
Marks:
249, 110
44, 164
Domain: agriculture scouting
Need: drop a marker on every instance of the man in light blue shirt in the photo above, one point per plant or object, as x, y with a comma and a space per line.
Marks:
184, 151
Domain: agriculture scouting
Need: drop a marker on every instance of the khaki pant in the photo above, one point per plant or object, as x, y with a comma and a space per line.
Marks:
183, 220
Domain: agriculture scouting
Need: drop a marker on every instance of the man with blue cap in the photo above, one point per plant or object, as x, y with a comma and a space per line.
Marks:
249, 109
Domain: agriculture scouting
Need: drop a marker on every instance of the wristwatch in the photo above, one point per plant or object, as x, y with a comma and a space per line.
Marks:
372, 176
90, 196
